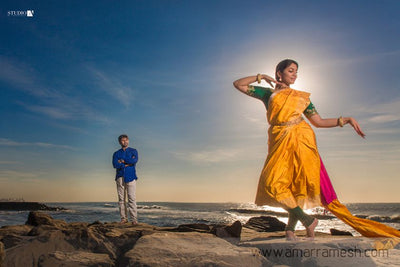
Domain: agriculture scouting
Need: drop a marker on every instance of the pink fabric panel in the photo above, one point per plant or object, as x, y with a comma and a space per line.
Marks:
327, 192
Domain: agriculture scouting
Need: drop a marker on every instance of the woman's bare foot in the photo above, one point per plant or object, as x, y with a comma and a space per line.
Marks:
290, 236
310, 229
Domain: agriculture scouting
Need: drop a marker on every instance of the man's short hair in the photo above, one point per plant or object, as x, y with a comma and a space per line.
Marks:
122, 136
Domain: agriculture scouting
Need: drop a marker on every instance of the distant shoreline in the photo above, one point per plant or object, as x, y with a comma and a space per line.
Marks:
25, 206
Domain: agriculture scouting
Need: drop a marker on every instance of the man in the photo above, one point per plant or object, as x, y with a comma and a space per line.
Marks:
124, 161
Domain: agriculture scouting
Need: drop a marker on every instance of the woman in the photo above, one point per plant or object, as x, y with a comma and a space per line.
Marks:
293, 176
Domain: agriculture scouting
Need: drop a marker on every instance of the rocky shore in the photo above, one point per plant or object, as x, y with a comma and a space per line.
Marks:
44, 241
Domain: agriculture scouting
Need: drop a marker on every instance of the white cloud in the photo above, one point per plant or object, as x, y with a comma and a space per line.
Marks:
113, 87
384, 131
375, 114
67, 109
50, 102
8, 142
24, 78
208, 156
384, 118
357, 60
383, 112
54, 112
10, 175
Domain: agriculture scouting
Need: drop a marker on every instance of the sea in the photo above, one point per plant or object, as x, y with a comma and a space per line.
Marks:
177, 213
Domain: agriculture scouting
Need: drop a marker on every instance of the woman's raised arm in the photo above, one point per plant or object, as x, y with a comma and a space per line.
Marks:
242, 84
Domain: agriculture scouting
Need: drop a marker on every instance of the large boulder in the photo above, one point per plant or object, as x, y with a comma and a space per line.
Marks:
325, 251
52, 241
37, 218
28, 252
190, 249
228, 232
13, 235
265, 224
222, 230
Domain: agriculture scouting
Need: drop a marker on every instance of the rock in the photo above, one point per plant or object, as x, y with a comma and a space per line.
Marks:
346, 251
235, 229
27, 206
38, 230
37, 218
265, 224
94, 223
2, 254
15, 230
10, 241
195, 227
230, 231
189, 249
44, 240
27, 252
339, 232
75, 259
90, 238
222, 231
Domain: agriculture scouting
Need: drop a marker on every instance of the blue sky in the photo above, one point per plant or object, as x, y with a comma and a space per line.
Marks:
79, 73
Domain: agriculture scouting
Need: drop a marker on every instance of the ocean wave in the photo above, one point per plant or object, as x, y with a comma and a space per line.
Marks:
396, 218
12, 212
380, 218
64, 211
277, 213
145, 207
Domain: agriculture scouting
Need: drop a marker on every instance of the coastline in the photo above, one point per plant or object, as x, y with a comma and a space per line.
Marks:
24, 206
44, 241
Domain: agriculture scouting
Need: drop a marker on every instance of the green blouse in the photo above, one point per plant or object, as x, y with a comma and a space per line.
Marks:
264, 93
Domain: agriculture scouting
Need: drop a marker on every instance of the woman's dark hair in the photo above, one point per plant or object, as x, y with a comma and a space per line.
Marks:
283, 65
122, 136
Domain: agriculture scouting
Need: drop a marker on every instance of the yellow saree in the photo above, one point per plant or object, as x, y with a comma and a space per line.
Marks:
294, 174
290, 176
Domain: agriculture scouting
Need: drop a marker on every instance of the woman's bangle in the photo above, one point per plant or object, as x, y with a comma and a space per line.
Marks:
340, 121
259, 78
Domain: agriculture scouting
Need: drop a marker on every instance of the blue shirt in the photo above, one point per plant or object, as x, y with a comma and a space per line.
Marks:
130, 156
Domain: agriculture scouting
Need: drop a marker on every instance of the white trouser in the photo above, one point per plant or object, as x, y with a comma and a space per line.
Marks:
130, 189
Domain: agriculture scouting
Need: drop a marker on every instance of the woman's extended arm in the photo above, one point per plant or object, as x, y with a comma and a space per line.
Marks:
319, 122
243, 83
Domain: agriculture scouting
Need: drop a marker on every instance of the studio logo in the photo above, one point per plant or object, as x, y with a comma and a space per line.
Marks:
20, 13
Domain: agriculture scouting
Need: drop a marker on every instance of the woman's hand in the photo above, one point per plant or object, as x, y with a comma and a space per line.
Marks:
269, 80
356, 126
242, 84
